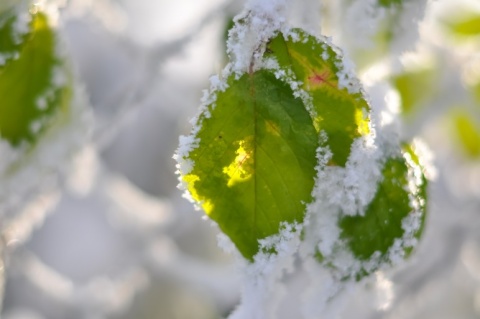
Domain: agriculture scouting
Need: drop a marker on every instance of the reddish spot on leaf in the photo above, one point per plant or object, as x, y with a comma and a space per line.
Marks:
319, 79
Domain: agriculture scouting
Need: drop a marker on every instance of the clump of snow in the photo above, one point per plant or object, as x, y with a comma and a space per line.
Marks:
260, 21
263, 279
346, 76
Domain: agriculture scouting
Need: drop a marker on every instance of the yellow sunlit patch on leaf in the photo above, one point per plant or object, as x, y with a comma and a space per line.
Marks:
238, 170
362, 122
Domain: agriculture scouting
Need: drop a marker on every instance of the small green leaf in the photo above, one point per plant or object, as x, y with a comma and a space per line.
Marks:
32, 86
401, 193
255, 163
343, 115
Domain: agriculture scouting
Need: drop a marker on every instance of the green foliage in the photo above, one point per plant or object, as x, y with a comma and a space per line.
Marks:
254, 166
253, 159
339, 113
381, 225
28, 83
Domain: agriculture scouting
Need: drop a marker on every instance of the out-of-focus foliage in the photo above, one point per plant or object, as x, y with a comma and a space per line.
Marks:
33, 86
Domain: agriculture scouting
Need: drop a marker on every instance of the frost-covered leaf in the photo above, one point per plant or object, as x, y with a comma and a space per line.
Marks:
33, 85
254, 165
338, 106
254, 157
272, 144
395, 216
387, 230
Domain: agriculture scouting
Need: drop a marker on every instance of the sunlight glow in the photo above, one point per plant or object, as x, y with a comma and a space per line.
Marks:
237, 171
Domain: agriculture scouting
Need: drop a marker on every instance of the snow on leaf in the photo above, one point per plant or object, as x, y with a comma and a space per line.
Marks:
13, 31
33, 86
252, 154
254, 165
388, 230
338, 105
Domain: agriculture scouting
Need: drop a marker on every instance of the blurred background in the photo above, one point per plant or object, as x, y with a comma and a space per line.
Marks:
117, 240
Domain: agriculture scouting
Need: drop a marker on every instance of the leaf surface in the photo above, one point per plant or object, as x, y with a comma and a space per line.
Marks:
343, 115
255, 163
401, 193
31, 86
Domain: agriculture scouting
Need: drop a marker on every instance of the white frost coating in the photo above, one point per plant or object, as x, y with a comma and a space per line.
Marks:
338, 192
324, 297
287, 76
263, 287
260, 21
190, 142
407, 33
346, 75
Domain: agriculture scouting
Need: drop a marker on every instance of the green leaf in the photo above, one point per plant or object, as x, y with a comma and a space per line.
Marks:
468, 134
33, 86
341, 114
254, 166
401, 193
255, 163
